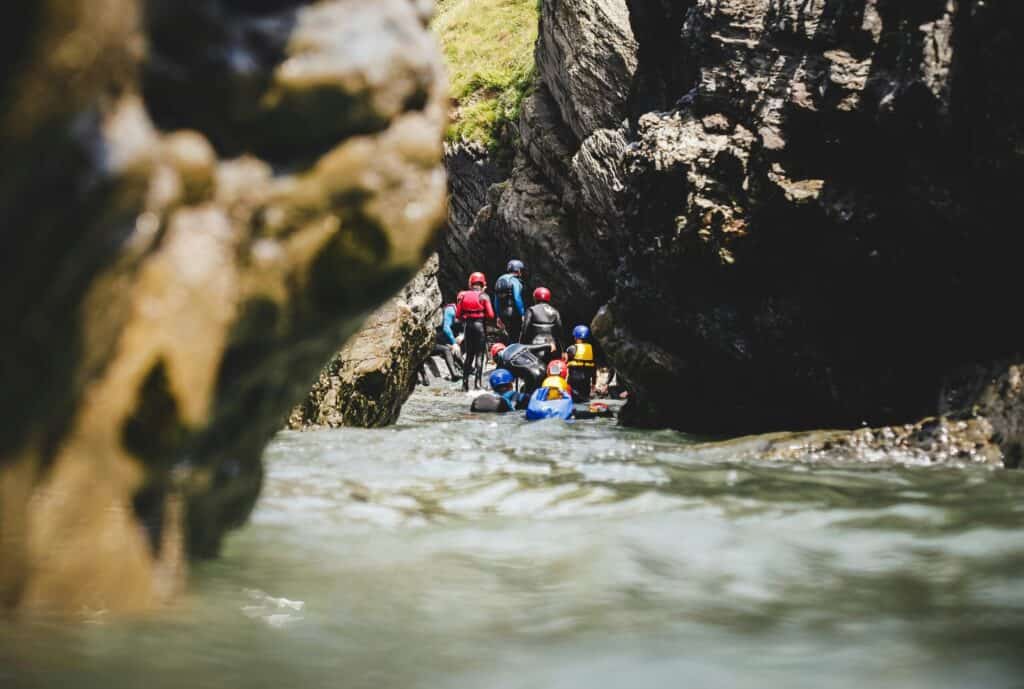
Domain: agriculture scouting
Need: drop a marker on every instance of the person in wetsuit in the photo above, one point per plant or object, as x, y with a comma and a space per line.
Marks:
445, 343
543, 324
504, 397
508, 291
522, 361
473, 308
582, 368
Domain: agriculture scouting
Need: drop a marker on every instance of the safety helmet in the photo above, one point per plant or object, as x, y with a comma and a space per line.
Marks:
558, 368
542, 294
581, 332
500, 377
556, 382
477, 279
496, 349
515, 266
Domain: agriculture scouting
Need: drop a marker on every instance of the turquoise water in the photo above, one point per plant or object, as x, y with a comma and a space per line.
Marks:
464, 552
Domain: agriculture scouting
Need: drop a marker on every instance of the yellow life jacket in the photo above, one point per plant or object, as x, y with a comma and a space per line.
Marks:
556, 382
584, 355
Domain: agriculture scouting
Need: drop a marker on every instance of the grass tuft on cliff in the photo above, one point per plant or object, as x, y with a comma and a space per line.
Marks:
488, 45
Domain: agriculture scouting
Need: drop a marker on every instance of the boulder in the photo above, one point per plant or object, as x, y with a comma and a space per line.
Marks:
369, 380
202, 202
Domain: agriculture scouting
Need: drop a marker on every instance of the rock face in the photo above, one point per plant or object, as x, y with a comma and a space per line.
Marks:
370, 379
800, 224
202, 201
555, 210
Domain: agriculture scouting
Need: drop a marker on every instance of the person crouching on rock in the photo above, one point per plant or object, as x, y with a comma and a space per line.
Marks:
446, 345
522, 361
473, 308
543, 323
504, 397
508, 290
582, 369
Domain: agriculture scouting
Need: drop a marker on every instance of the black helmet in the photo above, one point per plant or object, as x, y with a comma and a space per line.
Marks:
515, 266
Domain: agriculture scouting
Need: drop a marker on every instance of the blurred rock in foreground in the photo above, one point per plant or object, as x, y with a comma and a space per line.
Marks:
201, 202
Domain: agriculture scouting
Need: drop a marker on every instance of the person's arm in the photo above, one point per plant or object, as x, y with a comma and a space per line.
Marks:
526, 326
458, 309
517, 295
446, 325
542, 348
487, 307
559, 334
571, 351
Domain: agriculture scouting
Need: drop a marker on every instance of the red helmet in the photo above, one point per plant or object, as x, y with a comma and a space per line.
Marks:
558, 368
477, 279
496, 349
542, 294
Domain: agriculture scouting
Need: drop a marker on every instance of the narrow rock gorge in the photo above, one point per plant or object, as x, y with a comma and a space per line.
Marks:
786, 215
202, 202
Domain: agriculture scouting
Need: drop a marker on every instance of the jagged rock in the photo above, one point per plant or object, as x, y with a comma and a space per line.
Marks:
801, 237
471, 173
586, 55
802, 222
370, 379
202, 200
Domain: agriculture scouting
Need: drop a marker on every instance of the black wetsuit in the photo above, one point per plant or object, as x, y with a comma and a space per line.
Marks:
473, 308
508, 293
543, 325
443, 349
522, 361
581, 377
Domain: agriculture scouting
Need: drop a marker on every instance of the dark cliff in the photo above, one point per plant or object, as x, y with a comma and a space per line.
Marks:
795, 214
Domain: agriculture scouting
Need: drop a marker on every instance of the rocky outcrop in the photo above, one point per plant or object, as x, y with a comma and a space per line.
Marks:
556, 210
799, 225
203, 200
369, 380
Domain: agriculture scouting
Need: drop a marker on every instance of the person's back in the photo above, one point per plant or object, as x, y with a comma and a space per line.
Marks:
508, 291
582, 367
524, 363
543, 324
473, 308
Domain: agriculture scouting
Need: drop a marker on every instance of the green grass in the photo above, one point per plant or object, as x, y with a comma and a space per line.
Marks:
488, 45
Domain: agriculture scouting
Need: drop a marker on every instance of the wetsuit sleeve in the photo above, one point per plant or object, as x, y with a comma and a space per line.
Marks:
488, 308
526, 326
559, 335
571, 351
517, 295
446, 325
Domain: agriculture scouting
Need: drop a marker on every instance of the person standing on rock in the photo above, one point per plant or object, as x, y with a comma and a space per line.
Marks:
543, 323
473, 308
509, 292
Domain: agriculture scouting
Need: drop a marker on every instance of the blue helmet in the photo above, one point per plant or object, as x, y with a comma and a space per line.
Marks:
515, 266
581, 332
501, 377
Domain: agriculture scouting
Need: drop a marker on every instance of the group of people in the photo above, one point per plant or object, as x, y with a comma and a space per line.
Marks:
534, 356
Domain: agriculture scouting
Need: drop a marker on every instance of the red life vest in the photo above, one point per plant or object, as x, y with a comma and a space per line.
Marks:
469, 306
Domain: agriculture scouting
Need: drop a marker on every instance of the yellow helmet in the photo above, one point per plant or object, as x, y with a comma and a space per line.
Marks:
556, 382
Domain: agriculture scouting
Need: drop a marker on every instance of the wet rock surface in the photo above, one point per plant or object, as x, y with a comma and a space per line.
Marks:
370, 379
203, 200
799, 224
